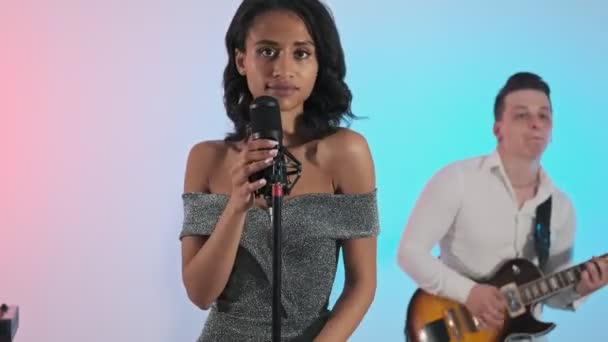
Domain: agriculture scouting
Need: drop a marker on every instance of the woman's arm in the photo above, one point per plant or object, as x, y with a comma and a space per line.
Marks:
353, 172
207, 261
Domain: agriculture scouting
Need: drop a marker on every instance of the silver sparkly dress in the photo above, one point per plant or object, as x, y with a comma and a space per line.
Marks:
313, 227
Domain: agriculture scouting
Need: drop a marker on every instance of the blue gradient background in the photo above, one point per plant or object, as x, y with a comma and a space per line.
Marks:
101, 100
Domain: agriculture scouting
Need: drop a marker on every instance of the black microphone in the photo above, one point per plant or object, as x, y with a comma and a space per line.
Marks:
265, 118
265, 121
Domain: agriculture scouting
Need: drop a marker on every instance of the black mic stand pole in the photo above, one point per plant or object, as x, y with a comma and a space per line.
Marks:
275, 210
280, 186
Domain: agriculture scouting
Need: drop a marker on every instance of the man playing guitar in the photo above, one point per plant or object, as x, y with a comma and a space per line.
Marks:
482, 212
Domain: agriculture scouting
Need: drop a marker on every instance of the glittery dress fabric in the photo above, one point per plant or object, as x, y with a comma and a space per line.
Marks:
313, 225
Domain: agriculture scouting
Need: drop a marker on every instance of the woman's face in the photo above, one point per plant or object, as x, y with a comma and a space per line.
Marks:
279, 60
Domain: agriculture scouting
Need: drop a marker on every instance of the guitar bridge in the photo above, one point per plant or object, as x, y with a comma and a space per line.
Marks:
515, 305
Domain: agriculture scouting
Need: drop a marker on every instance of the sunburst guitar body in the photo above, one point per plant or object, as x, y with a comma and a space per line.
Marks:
432, 318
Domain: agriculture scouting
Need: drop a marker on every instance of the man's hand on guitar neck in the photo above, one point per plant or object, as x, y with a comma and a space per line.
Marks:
488, 305
594, 277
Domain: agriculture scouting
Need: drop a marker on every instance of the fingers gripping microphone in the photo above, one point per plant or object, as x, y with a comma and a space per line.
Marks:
265, 116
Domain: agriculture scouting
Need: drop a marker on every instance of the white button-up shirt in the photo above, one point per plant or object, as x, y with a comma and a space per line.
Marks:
470, 208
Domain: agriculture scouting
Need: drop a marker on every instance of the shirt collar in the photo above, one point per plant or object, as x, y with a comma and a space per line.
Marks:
493, 163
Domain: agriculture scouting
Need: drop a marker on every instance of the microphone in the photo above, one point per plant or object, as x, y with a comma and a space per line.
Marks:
265, 118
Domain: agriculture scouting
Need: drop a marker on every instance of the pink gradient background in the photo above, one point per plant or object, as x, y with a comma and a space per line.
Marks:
99, 103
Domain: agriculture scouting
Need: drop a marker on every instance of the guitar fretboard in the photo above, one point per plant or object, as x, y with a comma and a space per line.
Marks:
547, 286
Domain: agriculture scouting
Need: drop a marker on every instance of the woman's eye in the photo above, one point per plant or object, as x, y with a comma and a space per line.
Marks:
267, 52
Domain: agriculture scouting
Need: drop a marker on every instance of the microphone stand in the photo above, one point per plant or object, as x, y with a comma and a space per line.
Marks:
280, 185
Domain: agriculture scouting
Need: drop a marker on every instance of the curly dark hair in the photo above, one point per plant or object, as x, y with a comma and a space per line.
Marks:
519, 81
330, 100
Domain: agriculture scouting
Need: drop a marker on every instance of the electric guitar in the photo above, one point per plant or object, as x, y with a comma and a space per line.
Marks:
432, 318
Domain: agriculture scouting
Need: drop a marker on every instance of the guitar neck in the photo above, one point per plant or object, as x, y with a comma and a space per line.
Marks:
552, 284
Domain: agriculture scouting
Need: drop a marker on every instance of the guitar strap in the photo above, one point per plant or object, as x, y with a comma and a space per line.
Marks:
542, 232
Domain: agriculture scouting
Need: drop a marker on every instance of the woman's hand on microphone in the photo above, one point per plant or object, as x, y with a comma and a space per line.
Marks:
255, 156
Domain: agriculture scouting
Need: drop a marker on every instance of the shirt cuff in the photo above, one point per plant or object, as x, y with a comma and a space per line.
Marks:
459, 288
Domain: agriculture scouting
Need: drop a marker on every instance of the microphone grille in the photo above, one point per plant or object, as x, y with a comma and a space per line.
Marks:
265, 115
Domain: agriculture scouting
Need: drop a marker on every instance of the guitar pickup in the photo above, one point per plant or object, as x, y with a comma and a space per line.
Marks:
515, 304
